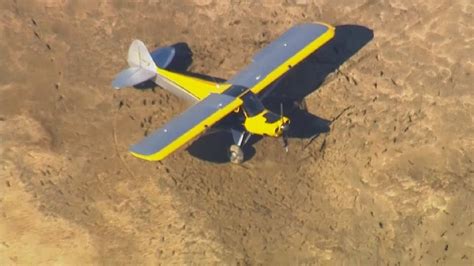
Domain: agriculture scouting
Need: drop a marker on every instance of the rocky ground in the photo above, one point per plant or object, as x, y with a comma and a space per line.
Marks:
389, 183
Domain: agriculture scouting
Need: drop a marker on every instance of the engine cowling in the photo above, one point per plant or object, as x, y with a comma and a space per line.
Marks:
266, 123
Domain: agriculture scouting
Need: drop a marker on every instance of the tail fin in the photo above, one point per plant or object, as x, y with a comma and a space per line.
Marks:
142, 67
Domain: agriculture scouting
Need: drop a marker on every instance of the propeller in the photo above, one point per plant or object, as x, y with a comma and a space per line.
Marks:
284, 129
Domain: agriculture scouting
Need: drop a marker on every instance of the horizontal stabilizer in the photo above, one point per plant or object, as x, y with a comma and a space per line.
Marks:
163, 56
132, 76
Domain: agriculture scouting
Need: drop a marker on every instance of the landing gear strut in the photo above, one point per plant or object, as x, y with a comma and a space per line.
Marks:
236, 155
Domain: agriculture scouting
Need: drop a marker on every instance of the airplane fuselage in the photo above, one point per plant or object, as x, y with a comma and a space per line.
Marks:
234, 105
257, 119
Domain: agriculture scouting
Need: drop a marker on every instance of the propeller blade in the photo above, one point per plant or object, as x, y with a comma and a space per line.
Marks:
285, 142
281, 111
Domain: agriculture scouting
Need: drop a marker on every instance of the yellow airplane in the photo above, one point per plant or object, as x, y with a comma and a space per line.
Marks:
237, 100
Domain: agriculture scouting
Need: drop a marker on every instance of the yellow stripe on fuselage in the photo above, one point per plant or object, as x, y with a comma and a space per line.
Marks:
196, 87
294, 60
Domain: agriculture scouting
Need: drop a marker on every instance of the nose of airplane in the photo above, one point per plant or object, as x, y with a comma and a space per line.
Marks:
285, 126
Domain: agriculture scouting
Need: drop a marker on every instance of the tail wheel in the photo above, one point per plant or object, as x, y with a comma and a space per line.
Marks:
236, 155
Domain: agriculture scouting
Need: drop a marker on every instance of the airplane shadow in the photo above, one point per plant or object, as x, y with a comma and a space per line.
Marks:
290, 91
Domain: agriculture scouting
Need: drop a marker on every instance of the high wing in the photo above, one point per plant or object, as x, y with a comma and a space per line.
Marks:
185, 127
281, 55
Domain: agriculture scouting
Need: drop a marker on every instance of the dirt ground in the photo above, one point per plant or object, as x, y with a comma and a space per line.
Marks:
390, 182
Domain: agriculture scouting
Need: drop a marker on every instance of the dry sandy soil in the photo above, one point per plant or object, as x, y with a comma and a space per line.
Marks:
390, 183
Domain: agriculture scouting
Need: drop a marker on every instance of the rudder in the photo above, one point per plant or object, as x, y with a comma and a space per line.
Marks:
142, 67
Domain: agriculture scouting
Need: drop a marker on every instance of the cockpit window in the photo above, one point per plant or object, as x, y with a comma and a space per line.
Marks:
252, 105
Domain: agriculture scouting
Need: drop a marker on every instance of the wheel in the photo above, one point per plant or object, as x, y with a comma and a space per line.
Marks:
236, 155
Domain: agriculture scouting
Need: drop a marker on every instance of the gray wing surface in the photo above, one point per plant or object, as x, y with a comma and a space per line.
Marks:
180, 125
277, 52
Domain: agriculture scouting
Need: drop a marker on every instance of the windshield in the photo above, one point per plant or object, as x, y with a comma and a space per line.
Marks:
252, 105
